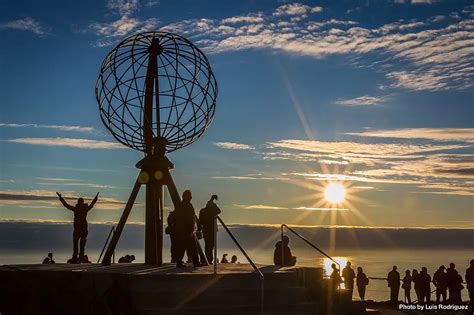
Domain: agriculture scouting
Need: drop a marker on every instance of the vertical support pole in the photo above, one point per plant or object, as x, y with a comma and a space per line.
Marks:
150, 225
282, 247
123, 219
215, 245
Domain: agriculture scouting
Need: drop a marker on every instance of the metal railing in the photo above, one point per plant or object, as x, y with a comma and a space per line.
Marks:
112, 232
307, 242
254, 266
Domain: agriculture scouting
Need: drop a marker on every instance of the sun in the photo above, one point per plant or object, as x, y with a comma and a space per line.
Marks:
335, 193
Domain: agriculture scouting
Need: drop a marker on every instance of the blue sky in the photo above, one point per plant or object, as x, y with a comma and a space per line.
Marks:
375, 95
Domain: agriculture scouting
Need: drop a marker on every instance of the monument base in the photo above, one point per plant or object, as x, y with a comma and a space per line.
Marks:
147, 289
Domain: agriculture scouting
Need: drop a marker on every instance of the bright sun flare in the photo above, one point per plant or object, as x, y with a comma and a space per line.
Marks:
335, 193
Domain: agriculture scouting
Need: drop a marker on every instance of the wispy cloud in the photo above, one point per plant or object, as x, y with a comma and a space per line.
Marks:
28, 24
233, 146
436, 134
361, 101
268, 207
109, 33
56, 127
69, 142
439, 55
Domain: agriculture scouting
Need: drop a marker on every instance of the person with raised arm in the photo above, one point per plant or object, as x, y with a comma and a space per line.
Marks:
80, 225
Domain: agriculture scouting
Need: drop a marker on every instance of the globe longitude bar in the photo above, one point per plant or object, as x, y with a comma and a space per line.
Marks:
168, 69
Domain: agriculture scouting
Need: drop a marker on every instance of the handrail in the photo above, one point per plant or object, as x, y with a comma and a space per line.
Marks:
112, 231
307, 242
255, 268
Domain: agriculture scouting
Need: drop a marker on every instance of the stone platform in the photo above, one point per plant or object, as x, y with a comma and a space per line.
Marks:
146, 289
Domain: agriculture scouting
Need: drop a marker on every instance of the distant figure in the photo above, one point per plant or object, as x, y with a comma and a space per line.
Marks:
455, 287
207, 219
126, 259
393, 279
348, 274
283, 251
425, 288
233, 260
80, 225
406, 286
470, 283
48, 259
362, 282
185, 229
416, 284
224, 259
441, 283
171, 231
451, 273
335, 277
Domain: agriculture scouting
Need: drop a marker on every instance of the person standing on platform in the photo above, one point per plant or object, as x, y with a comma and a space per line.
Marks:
348, 274
406, 286
80, 225
470, 284
451, 273
416, 284
362, 282
335, 277
393, 279
185, 229
441, 283
425, 287
171, 231
207, 219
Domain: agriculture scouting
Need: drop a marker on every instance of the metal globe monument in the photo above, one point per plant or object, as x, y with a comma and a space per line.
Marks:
156, 93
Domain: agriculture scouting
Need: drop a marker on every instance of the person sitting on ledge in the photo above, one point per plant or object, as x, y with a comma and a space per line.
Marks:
126, 259
224, 259
48, 259
283, 251
233, 260
80, 225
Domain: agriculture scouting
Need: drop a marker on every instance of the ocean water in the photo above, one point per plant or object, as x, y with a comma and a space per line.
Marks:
376, 250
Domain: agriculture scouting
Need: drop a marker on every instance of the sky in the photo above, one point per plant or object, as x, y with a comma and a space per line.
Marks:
374, 95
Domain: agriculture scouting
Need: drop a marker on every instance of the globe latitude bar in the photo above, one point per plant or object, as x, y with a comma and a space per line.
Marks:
156, 93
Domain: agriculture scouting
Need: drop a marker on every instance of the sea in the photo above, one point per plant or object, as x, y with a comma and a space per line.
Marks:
29, 243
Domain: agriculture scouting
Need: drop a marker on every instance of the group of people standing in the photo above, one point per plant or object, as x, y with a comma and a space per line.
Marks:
185, 228
446, 280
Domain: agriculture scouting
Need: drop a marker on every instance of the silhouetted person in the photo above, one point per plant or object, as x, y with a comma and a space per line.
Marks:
348, 274
185, 229
416, 284
48, 259
335, 278
126, 259
406, 286
224, 259
233, 259
455, 287
207, 219
425, 288
283, 251
362, 282
470, 284
441, 283
80, 225
171, 231
451, 273
393, 279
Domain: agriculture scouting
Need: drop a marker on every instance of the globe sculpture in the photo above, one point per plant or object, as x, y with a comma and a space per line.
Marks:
156, 93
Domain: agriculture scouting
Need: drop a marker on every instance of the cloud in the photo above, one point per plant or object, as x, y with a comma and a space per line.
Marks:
28, 24
267, 207
321, 209
109, 33
361, 101
436, 134
254, 207
56, 127
49, 199
414, 54
233, 146
251, 18
69, 142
